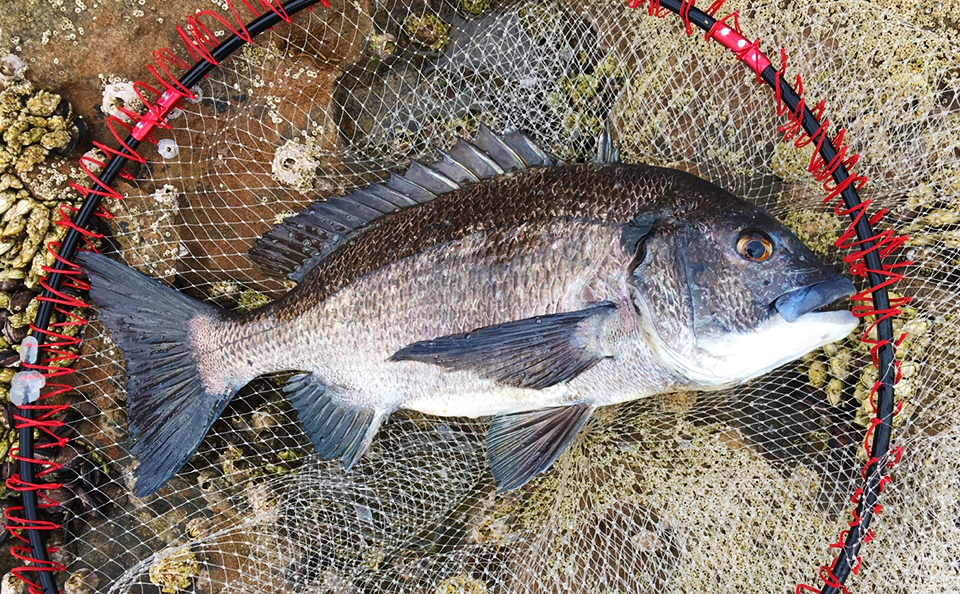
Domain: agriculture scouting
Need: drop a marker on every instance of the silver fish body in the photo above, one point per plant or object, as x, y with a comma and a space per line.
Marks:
533, 295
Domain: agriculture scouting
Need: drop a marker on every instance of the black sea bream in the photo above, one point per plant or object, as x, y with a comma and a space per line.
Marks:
491, 282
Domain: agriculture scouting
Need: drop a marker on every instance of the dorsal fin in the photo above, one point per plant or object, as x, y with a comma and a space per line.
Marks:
302, 240
607, 151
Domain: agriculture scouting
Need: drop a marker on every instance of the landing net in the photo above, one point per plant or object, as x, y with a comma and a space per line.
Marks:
754, 489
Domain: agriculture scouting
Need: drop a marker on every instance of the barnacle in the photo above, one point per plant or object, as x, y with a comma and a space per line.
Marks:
174, 569
461, 584
12, 68
11, 583
82, 581
475, 6
167, 148
236, 468
383, 45
295, 165
119, 95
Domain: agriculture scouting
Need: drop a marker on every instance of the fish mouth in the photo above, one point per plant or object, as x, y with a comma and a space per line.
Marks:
796, 303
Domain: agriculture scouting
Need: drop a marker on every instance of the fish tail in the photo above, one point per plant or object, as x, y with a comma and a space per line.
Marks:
172, 397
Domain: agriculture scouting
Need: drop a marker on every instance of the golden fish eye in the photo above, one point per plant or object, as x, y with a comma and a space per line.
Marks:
754, 246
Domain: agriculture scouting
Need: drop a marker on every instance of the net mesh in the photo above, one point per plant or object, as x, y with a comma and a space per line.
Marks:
736, 491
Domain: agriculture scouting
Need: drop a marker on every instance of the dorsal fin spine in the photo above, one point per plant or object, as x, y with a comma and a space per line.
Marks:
405, 186
430, 179
451, 182
374, 202
391, 195
500, 151
447, 161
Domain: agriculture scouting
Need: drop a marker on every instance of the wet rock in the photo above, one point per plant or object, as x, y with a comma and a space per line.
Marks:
248, 202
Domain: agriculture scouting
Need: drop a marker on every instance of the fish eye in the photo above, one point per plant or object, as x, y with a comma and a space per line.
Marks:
755, 246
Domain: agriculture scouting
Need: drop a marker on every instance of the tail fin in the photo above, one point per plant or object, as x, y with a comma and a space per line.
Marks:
168, 409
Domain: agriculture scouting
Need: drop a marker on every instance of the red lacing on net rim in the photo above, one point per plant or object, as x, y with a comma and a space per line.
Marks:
876, 247
62, 280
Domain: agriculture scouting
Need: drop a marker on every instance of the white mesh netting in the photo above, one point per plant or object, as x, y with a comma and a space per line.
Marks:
739, 491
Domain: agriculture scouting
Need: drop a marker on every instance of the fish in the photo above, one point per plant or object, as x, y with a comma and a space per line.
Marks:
492, 282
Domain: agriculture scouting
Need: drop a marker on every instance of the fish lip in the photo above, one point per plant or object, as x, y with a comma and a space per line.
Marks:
794, 304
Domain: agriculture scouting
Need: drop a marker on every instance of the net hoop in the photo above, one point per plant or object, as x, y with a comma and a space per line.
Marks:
831, 164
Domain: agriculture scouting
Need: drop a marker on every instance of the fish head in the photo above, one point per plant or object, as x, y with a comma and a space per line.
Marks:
724, 292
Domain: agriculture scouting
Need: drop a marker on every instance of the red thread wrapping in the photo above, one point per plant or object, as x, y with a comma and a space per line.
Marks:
884, 243
55, 350
731, 38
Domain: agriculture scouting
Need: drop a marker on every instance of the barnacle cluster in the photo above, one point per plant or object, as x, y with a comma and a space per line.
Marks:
449, 130
817, 229
845, 369
150, 238
82, 485
461, 584
665, 461
174, 570
32, 125
250, 299
843, 373
475, 6
933, 214
582, 99
427, 31
37, 129
541, 20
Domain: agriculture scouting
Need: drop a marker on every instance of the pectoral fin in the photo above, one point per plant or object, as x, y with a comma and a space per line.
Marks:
522, 445
337, 428
532, 353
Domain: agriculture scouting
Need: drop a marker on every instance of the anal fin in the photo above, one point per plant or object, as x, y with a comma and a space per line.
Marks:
337, 428
522, 445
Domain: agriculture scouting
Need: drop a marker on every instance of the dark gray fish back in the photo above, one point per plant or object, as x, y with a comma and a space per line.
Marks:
613, 193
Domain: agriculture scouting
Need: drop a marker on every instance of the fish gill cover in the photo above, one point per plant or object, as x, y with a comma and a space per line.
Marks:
744, 490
